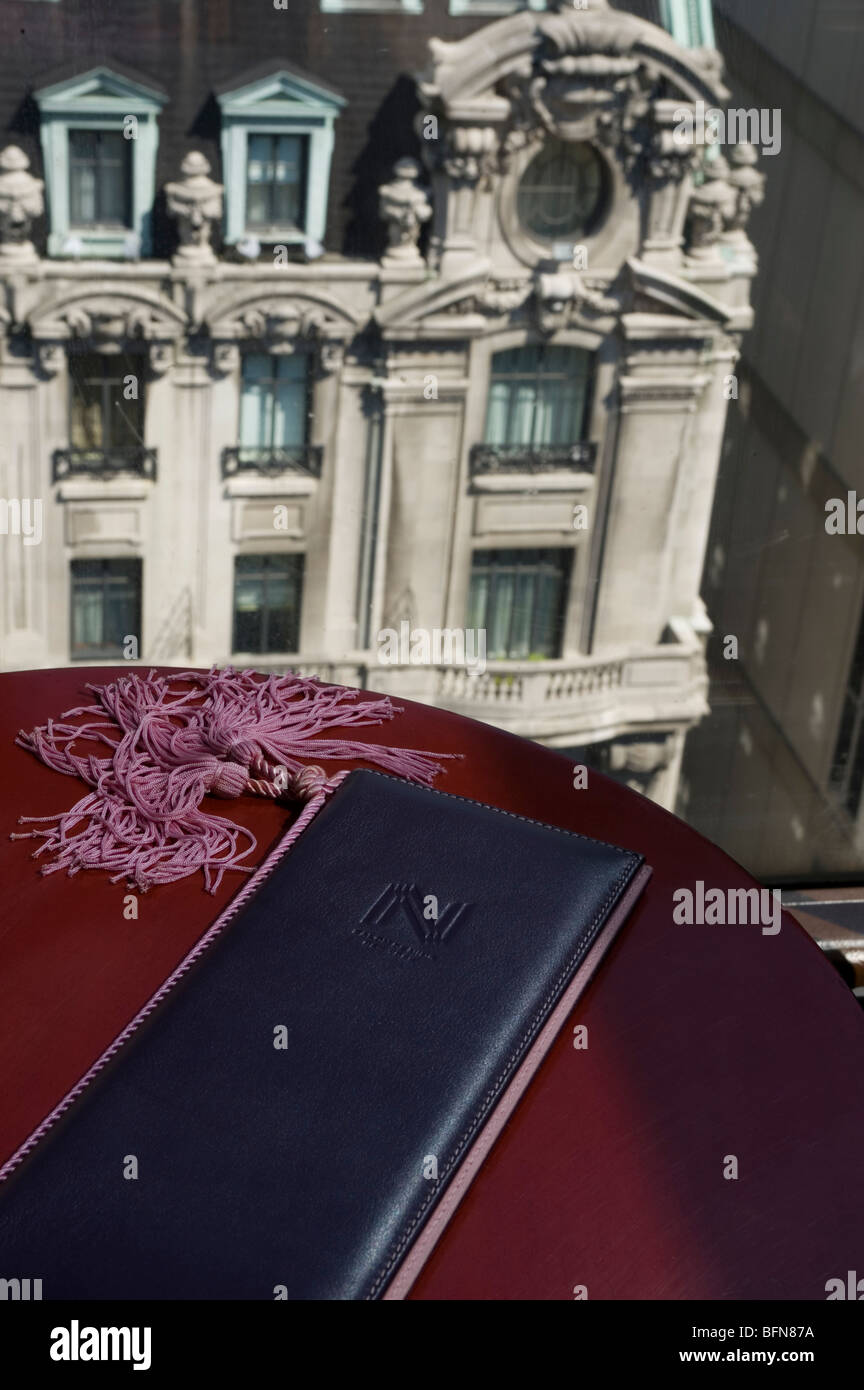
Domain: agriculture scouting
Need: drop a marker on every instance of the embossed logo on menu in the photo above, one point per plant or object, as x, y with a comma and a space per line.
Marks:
404, 904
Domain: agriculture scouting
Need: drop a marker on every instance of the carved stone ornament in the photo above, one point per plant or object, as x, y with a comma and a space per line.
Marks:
20, 201
713, 204
281, 323
279, 327
502, 296
404, 206
620, 129
748, 186
640, 763
530, 121
561, 299
596, 28
605, 99
195, 201
470, 154
589, 74
330, 357
49, 357
584, 83
668, 158
110, 325
282, 327
159, 358
225, 358
492, 298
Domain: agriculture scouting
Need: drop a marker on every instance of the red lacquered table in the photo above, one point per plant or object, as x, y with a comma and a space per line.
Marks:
704, 1043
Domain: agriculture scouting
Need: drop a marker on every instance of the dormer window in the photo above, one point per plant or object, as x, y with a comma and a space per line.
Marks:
99, 140
277, 145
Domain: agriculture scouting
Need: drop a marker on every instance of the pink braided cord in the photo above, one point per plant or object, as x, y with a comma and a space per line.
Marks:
168, 741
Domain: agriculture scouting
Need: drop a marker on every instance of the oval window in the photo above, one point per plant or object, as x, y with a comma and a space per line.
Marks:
563, 191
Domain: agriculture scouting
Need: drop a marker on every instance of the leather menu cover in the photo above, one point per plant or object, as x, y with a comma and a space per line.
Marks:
301, 1113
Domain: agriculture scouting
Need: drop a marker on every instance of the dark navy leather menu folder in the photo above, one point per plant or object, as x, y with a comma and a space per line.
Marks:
310, 1100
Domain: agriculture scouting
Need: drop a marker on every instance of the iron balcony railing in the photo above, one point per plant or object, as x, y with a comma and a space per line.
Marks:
270, 461
532, 458
105, 463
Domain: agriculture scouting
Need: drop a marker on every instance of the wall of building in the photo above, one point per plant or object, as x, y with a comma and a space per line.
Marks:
389, 522
789, 591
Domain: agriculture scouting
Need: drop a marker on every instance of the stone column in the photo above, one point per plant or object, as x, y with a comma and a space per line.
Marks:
328, 582
177, 585
695, 492
347, 442
463, 185
670, 169
32, 566
656, 415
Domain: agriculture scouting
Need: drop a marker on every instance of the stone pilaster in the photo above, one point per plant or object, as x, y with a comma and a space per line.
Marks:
657, 412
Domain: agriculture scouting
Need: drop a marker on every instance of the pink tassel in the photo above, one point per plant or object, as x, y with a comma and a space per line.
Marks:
226, 733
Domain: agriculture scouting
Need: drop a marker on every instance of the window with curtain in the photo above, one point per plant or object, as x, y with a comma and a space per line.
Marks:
106, 607
520, 598
538, 395
267, 595
101, 418
100, 178
276, 181
274, 401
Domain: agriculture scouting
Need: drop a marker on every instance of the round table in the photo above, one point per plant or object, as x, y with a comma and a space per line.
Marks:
704, 1043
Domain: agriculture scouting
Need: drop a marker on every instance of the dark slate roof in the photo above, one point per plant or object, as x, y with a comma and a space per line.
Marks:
196, 48
270, 69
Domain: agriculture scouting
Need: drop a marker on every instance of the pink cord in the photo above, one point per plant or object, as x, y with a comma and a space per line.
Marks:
174, 739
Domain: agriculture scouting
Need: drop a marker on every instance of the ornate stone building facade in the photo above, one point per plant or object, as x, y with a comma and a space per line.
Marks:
257, 450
